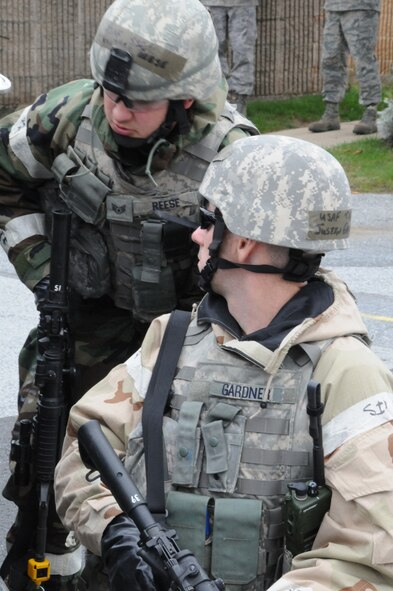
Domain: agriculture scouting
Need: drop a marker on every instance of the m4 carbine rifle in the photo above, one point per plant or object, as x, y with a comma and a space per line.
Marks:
40, 441
157, 545
53, 374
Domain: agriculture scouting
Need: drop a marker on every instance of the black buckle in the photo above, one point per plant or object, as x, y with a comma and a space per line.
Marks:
117, 71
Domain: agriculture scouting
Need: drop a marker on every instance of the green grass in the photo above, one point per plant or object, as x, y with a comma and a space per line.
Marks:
367, 162
277, 114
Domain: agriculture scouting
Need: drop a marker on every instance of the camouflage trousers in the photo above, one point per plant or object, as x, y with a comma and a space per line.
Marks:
65, 568
351, 32
236, 28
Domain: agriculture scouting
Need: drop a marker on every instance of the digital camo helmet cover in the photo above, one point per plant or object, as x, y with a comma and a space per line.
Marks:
172, 44
283, 191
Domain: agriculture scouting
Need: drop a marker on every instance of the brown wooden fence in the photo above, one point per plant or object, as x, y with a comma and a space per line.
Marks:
44, 43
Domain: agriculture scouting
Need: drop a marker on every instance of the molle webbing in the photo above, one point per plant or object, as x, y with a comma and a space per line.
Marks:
272, 457
152, 251
187, 441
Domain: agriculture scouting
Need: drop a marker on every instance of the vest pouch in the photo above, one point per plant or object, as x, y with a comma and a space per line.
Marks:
187, 460
89, 268
152, 299
189, 515
236, 535
176, 240
82, 191
223, 437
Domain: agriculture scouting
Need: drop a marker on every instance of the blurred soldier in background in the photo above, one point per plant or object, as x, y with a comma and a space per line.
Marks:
235, 22
5, 84
385, 123
351, 27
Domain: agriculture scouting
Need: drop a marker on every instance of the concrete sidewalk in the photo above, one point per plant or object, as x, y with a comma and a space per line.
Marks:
326, 139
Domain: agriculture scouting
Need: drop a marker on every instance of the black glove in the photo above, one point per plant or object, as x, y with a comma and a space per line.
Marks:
126, 570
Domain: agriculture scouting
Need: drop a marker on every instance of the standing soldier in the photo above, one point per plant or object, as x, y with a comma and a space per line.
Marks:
235, 22
351, 27
118, 151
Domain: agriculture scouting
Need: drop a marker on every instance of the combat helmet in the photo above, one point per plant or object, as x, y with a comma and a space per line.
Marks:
281, 191
160, 49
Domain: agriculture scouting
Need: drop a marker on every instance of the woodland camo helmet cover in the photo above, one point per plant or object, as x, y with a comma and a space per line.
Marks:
171, 44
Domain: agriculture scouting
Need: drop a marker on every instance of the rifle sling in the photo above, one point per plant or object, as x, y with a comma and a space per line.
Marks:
154, 407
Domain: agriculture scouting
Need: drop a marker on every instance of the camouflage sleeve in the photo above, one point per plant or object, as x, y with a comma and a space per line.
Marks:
235, 134
30, 139
352, 550
116, 402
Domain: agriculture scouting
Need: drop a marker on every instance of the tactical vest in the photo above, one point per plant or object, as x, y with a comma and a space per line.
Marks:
150, 260
235, 445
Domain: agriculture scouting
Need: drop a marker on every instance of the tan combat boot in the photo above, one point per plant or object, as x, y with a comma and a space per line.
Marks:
329, 121
368, 123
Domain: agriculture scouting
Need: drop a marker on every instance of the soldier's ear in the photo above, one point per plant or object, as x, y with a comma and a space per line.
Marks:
187, 103
247, 249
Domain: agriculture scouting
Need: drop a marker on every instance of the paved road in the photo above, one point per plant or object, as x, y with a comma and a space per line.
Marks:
367, 267
17, 315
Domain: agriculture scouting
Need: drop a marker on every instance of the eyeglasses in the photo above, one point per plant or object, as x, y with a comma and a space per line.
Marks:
207, 218
135, 106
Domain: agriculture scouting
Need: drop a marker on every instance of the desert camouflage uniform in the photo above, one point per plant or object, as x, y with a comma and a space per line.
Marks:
351, 27
357, 422
235, 22
104, 333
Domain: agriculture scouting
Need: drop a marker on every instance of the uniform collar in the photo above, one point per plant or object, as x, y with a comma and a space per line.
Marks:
313, 299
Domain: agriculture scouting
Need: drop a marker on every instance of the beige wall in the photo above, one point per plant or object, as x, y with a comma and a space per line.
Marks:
44, 43
288, 47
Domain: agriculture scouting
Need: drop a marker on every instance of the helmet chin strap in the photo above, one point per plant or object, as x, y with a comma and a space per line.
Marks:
211, 266
301, 266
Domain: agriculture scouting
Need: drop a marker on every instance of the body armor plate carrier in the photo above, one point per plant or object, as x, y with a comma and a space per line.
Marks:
119, 246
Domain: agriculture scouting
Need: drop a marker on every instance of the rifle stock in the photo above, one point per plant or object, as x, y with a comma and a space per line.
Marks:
158, 546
